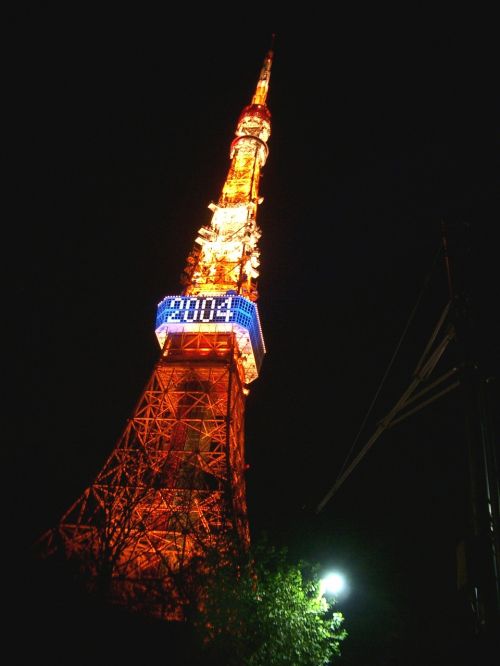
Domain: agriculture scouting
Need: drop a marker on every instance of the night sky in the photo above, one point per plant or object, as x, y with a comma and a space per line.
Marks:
121, 128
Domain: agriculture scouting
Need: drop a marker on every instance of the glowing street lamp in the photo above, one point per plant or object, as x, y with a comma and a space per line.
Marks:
333, 583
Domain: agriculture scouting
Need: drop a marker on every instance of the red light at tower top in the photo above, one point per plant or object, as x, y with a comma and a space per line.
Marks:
174, 486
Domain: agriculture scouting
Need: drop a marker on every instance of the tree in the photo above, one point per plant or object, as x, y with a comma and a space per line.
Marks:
259, 609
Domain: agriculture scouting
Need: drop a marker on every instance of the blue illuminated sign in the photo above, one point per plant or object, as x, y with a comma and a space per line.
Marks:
217, 309
190, 312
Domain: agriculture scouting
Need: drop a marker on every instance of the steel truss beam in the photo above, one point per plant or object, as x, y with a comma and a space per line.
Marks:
172, 487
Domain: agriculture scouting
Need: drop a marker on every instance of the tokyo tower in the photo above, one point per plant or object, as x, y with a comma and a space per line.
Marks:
174, 484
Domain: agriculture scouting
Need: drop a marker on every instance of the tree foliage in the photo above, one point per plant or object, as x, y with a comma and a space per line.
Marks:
259, 609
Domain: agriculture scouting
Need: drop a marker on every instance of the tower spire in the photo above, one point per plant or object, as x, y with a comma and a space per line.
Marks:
226, 257
264, 78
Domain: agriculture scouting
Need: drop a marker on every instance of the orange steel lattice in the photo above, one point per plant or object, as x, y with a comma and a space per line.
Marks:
174, 484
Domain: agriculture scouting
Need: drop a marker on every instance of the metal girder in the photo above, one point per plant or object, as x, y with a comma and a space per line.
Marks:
172, 486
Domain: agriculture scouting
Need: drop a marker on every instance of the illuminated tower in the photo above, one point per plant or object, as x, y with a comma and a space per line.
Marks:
174, 483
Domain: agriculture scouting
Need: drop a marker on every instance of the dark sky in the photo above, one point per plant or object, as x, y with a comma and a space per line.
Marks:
121, 130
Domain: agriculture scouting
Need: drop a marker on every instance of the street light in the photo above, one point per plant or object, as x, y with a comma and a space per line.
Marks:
333, 583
